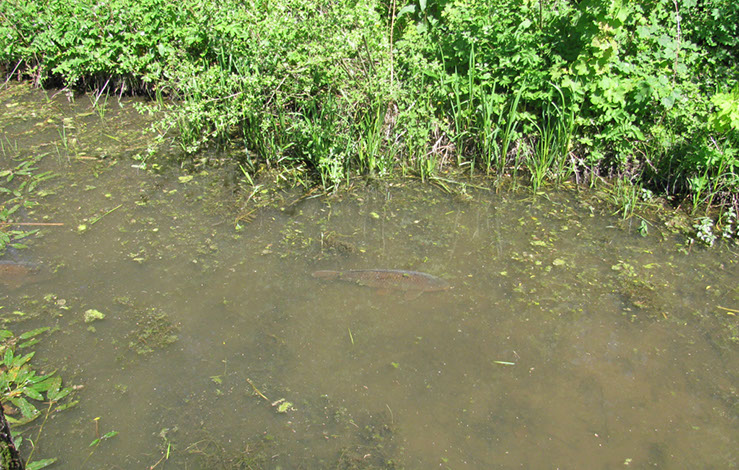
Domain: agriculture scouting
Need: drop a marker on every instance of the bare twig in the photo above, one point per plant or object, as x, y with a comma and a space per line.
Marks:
35, 224
256, 390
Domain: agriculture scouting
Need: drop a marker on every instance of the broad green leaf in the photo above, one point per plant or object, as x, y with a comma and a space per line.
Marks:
61, 394
32, 333
13, 421
28, 343
71, 404
408, 9
23, 359
41, 383
8, 358
27, 409
52, 387
38, 464
32, 394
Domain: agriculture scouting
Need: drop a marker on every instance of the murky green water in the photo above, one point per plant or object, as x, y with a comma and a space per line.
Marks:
566, 341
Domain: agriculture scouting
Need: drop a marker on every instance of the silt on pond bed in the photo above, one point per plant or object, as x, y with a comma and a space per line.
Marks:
566, 340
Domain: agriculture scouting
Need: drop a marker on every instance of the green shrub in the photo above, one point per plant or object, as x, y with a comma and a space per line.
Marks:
643, 89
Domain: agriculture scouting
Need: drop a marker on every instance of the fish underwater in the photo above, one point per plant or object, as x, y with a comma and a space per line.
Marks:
13, 275
412, 283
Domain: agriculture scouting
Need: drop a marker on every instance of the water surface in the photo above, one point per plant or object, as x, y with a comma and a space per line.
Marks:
567, 341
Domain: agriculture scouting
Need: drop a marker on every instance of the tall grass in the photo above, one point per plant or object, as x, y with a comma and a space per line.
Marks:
497, 129
484, 121
323, 141
625, 196
718, 173
551, 151
372, 158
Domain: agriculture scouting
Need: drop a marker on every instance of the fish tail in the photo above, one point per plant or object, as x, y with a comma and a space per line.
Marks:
327, 274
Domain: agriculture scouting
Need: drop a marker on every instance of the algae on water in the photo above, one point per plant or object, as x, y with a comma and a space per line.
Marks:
92, 315
154, 331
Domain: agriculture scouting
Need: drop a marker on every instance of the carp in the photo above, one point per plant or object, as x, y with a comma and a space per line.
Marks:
412, 283
13, 274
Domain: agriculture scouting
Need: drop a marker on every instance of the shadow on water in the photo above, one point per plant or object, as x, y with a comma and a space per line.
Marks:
566, 342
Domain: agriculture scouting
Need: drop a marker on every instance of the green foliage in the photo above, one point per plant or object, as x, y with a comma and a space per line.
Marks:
551, 151
643, 89
85, 42
17, 185
24, 388
726, 116
20, 383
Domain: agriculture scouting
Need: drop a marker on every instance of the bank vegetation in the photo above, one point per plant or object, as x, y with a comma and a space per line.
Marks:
642, 94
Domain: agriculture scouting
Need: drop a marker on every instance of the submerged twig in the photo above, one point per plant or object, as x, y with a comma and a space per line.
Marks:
96, 220
256, 390
164, 457
38, 435
730, 310
10, 75
34, 224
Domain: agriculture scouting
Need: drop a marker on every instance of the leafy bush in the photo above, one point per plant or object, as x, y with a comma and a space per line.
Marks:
344, 87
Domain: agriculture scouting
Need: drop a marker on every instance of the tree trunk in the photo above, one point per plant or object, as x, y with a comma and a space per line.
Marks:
10, 458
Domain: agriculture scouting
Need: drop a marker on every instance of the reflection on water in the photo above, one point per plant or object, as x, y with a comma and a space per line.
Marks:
565, 342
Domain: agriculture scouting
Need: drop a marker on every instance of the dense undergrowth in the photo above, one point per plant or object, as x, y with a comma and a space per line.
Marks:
644, 92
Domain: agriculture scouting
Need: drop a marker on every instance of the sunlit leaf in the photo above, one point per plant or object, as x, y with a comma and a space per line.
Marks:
71, 404
38, 464
32, 333
29, 343
27, 409
23, 359
8, 358
53, 385
33, 394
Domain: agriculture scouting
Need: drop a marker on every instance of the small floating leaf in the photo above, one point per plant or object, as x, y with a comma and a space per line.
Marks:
105, 436
284, 407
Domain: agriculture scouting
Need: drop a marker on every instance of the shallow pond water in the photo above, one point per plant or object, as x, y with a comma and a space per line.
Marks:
567, 340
